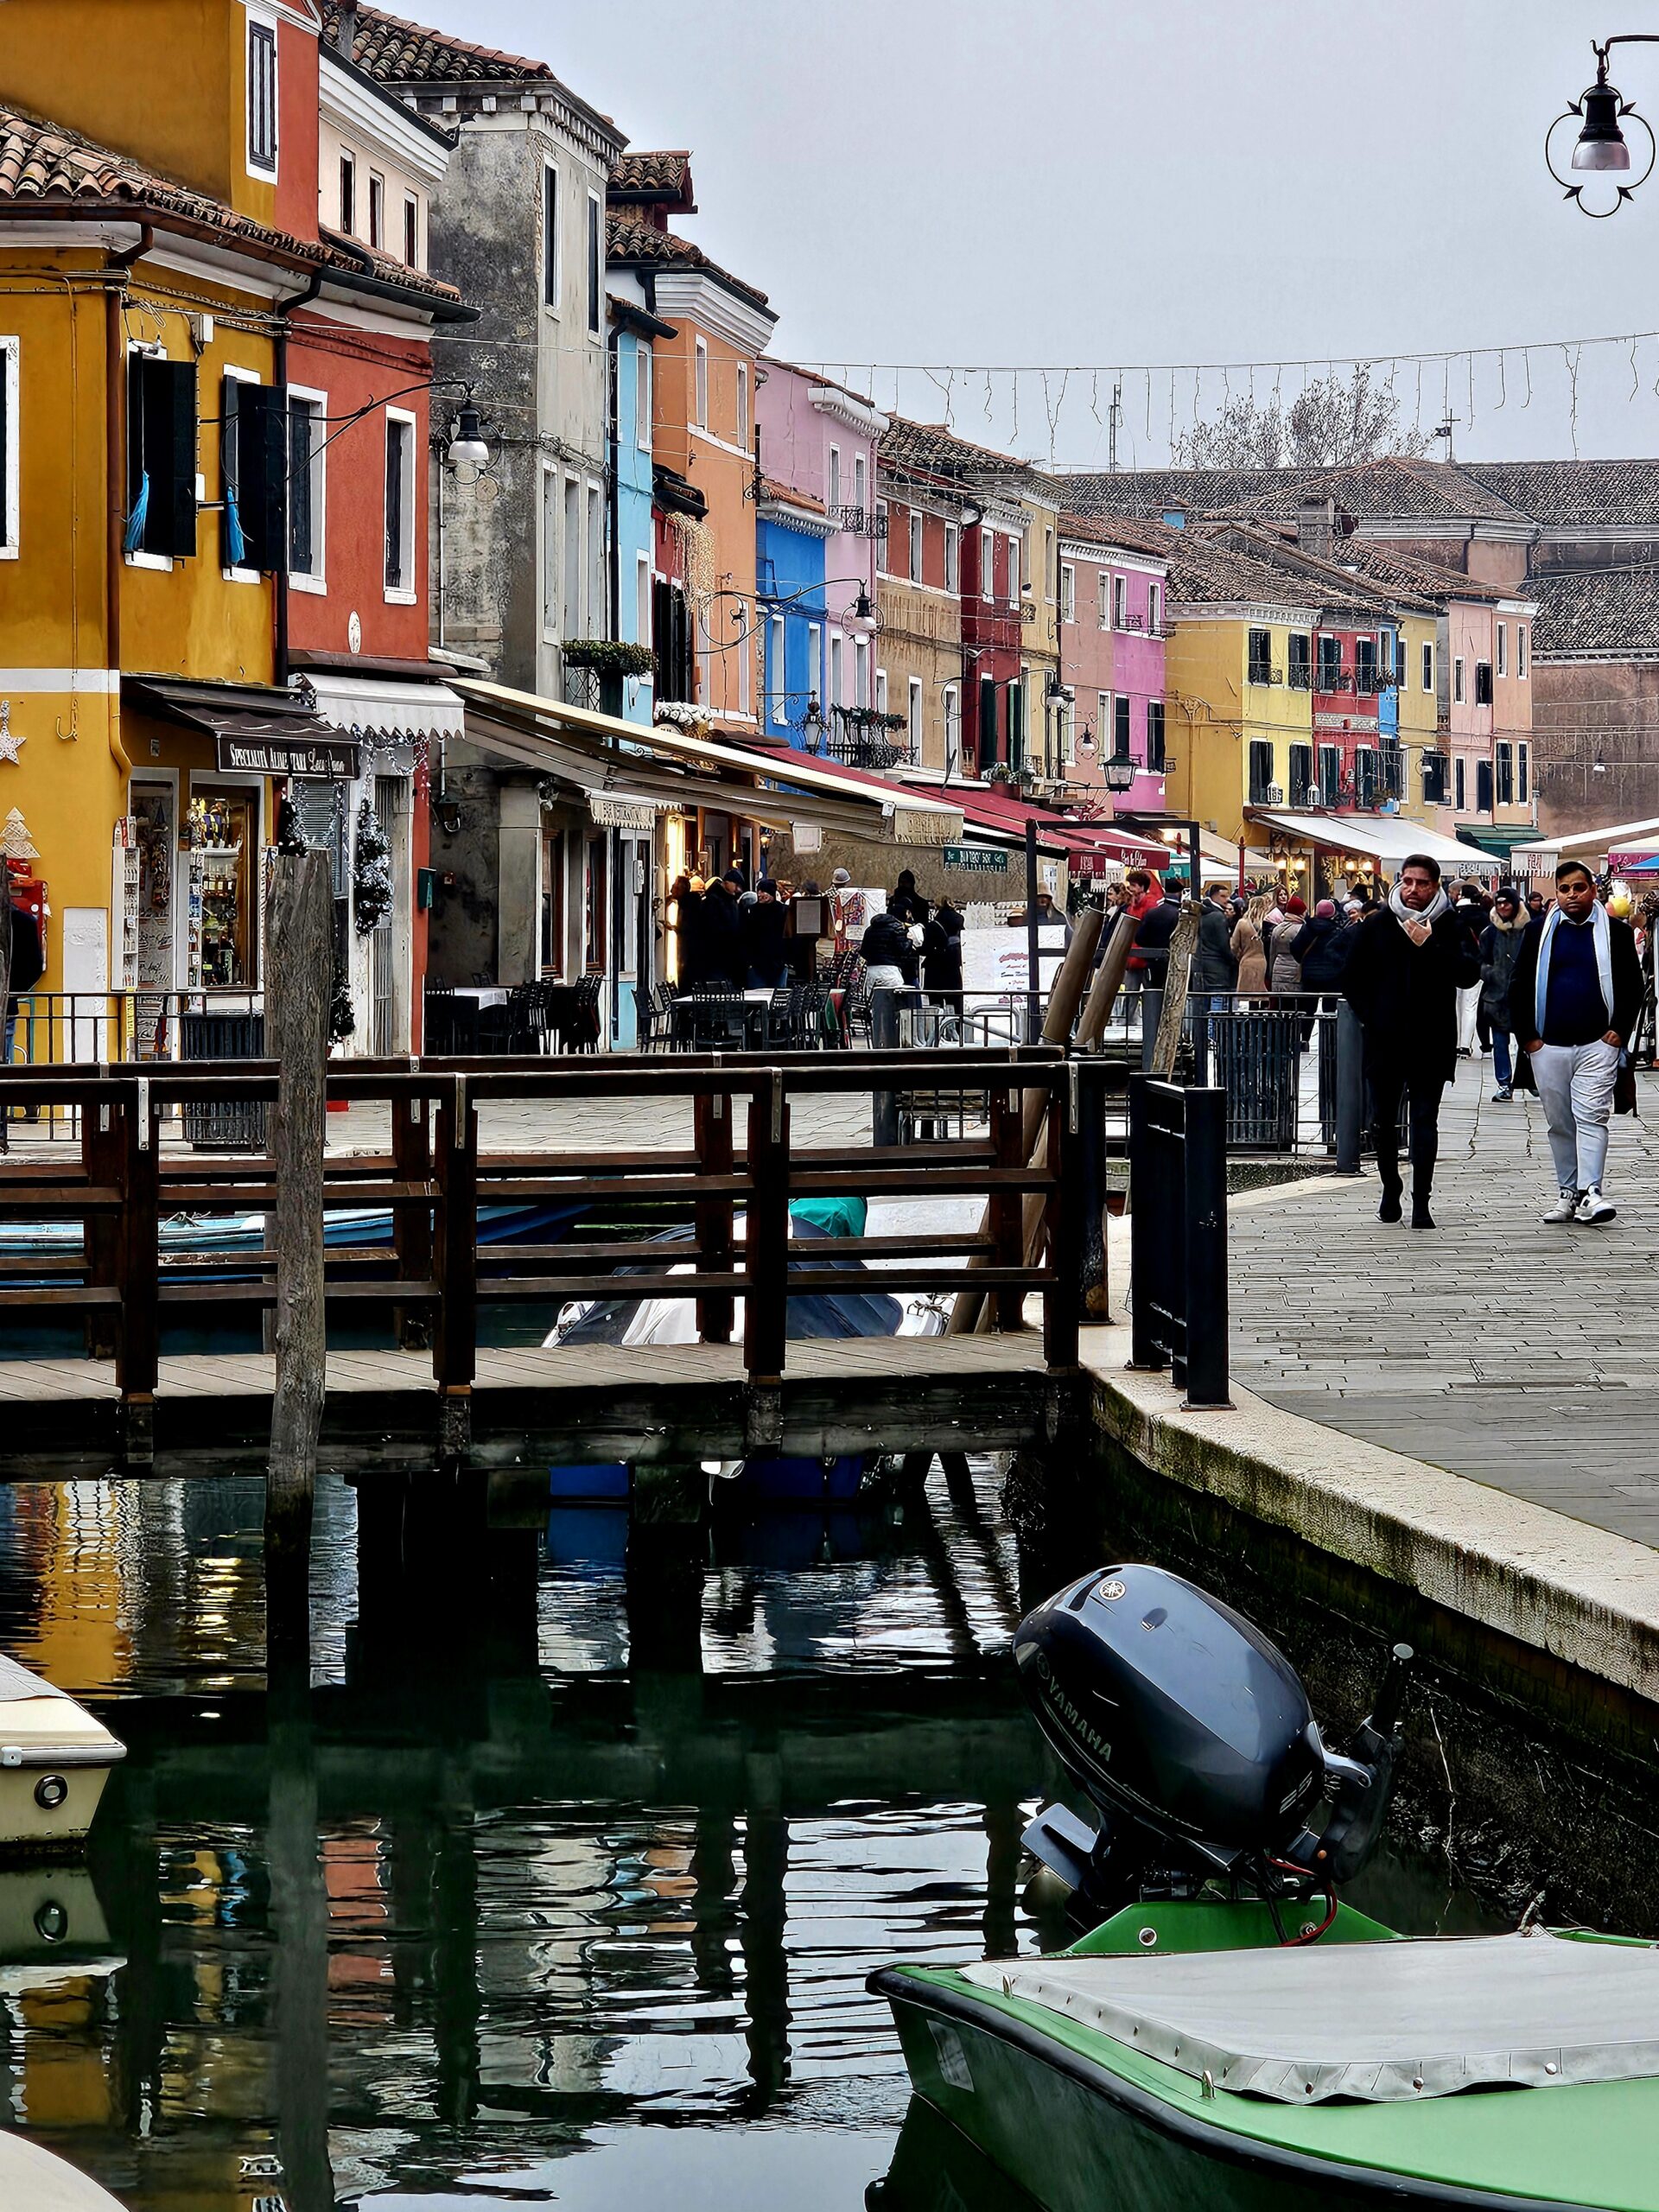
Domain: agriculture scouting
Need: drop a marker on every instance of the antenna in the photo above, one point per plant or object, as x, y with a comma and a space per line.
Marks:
1113, 416
1444, 430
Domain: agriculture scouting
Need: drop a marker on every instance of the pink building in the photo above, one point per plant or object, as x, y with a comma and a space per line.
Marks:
819, 437
1112, 656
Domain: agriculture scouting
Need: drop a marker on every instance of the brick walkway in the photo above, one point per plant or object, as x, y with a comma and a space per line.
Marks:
1526, 1356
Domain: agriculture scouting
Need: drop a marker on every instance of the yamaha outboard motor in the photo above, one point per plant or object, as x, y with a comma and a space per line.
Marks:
1194, 1741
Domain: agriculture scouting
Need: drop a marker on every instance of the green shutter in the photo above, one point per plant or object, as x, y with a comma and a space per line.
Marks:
169, 455
262, 473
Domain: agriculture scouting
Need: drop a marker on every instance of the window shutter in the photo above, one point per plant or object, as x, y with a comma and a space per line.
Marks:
262, 473
169, 456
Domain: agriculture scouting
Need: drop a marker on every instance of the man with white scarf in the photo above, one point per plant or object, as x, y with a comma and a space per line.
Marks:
1408, 961
1575, 1000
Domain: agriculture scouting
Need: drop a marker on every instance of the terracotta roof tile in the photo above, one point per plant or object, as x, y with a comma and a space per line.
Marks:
654, 177
1597, 611
633, 244
45, 164
1392, 488
1562, 493
400, 52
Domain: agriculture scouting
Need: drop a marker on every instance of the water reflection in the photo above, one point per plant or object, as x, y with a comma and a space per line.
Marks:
556, 1879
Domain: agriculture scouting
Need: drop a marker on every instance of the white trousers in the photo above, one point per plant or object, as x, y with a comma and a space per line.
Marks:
1575, 1082
1468, 1017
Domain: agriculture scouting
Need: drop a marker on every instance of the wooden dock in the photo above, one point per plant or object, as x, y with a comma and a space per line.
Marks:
585, 1402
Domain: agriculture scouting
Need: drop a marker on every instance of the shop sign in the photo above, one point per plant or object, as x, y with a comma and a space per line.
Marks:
622, 813
276, 755
979, 860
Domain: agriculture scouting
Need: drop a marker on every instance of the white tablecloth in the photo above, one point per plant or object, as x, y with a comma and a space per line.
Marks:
482, 995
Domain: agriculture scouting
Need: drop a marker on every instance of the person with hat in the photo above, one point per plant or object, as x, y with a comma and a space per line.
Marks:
847, 913
1500, 948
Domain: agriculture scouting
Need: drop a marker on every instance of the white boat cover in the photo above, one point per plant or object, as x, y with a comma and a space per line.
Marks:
1382, 2023
17, 1682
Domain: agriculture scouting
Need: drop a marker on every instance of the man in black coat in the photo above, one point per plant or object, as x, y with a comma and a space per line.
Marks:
1214, 968
1407, 964
721, 948
1574, 997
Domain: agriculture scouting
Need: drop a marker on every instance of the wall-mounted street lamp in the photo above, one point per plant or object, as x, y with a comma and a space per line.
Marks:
1086, 743
467, 442
1601, 111
1120, 773
861, 617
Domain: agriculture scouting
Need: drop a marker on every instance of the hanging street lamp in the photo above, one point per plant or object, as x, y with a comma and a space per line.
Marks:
1600, 149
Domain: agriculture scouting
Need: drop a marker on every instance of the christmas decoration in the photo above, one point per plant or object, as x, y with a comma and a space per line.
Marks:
9, 739
371, 873
342, 1016
15, 843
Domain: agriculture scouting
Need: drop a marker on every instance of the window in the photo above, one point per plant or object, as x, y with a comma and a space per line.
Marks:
952, 727
1482, 683
642, 623
1503, 648
861, 672
913, 717
1301, 661
1260, 669
1051, 576
1016, 548
1505, 775
1103, 585
253, 474
1457, 679
1521, 650
1483, 787
642, 425
1428, 667
987, 565
160, 457
377, 209
1365, 665
834, 499
595, 263
1330, 774
701, 416
987, 736
549, 554
552, 258
400, 508
743, 404
1154, 609
953, 556
411, 231
881, 520
1524, 775
1016, 708
1330, 664
1459, 785
1365, 792
1121, 602
11, 518
261, 97
776, 700
1068, 592
1155, 736
570, 546
596, 592
1301, 775
815, 683
861, 485
1121, 726
308, 459
347, 193
1260, 770
836, 657
915, 547
1434, 779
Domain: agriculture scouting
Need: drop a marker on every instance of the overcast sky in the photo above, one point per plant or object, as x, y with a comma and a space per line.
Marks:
1171, 181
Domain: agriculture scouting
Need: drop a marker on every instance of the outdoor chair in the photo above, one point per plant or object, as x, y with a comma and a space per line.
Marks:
440, 1036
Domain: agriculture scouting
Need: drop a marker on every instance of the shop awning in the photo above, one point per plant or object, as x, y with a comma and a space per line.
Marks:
382, 704
256, 730
1386, 838
1500, 843
1542, 855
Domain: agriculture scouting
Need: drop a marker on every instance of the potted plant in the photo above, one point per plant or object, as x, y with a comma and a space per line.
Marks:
609, 660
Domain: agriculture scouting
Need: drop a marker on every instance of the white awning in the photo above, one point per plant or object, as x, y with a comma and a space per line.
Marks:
1387, 837
384, 705
1615, 837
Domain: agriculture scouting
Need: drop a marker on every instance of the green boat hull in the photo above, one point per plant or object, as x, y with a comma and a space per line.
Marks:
1085, 2125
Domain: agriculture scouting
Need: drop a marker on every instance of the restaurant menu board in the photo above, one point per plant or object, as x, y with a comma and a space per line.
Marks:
994, 959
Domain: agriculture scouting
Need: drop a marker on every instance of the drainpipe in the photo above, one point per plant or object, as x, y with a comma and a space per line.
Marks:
114, 454
279, 378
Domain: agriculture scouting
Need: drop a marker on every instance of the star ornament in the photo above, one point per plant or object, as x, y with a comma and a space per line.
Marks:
9, 739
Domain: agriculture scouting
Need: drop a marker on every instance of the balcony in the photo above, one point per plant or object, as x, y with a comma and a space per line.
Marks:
863, 737
857, 522
1261, 671
1301, 676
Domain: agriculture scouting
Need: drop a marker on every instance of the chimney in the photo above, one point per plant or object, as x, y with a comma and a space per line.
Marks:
346, 30
1316, 528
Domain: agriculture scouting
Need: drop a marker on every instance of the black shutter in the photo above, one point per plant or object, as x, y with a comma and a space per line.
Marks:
394, 506
1483, 787
300, 524
169, 455
262, 473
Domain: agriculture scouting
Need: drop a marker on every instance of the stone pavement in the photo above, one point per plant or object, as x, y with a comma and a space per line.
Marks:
1524, 1355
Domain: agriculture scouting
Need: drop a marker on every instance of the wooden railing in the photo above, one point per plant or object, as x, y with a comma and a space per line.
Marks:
432, 1280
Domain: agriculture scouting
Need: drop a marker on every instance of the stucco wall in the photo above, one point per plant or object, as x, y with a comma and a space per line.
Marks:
1586, 709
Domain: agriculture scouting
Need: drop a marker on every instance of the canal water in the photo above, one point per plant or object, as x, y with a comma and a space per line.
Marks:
555, 1880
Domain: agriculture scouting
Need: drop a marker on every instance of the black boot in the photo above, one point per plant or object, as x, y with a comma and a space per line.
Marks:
1421, 1216
1388, 1166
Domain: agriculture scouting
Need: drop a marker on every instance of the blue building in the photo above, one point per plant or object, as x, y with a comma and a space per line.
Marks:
633, 330
1393, 650
791, 530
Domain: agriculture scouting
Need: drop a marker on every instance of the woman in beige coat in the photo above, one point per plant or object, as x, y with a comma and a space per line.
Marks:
1249, 949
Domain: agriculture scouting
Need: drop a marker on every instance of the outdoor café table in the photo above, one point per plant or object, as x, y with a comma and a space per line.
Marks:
752, 1005
470, 1000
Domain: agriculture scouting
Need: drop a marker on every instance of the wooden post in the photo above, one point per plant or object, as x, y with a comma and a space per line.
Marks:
100, 1156
299, 931
765, 1308
1108, 982
1007, 1207
411, 1226
1063, 1235
454, 1340
137, 1353
1181, 948
712, 1127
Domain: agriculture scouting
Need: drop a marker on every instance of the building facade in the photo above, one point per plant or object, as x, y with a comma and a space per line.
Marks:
1112, 643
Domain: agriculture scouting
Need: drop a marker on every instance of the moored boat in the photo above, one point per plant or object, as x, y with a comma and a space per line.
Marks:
54, 1759
1229, 2032
37, 2179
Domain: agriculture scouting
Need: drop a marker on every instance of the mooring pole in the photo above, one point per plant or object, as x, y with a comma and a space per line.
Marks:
1033, 978
1350, 1089
299, 930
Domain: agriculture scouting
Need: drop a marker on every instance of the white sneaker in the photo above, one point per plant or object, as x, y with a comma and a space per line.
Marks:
1592, 1207
1566, 1208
